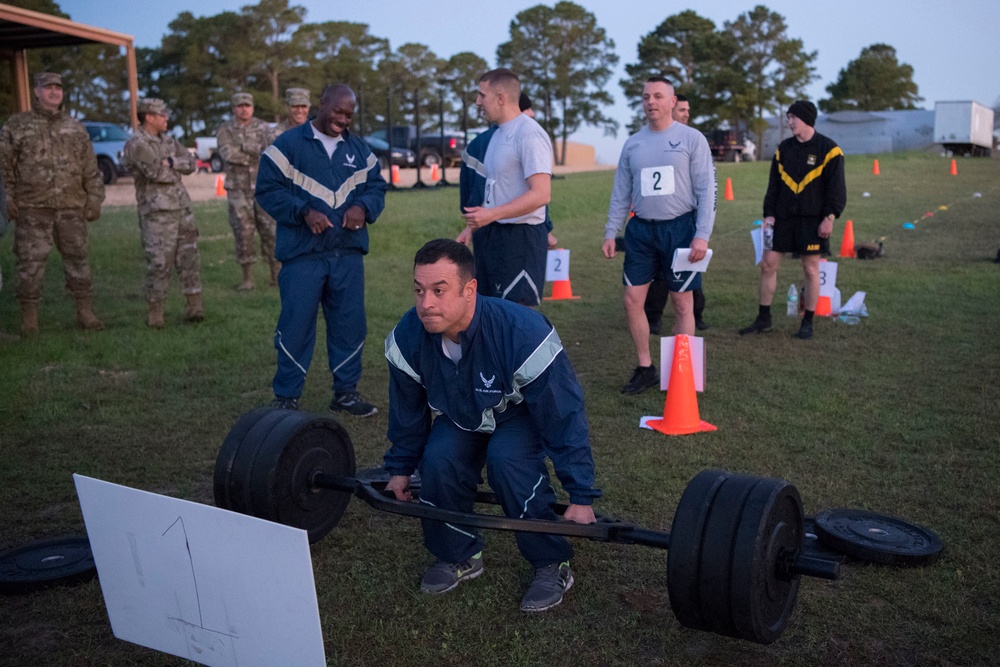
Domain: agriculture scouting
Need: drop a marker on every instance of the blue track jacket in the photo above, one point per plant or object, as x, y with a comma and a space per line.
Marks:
296, 175
512, 362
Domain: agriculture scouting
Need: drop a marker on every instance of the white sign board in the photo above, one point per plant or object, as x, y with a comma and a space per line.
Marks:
557, 265
212, 586
827, 278
697, 361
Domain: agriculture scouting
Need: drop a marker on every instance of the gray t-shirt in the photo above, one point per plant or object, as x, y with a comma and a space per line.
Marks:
663, 175
520, 148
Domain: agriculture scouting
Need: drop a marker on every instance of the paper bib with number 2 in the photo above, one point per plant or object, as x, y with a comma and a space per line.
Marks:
657, 181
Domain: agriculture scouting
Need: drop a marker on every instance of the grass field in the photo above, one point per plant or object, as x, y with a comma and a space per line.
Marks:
898, 414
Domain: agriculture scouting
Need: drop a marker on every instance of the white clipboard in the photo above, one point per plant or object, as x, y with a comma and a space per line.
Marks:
682, 263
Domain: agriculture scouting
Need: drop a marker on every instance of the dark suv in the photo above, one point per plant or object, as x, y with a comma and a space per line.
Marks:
109, 142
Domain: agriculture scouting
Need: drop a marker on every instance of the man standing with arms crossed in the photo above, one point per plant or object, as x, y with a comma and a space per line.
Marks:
511, 251
324, 187
52, 190
666, 175
241, 142
656, 298
805, 194
157, 161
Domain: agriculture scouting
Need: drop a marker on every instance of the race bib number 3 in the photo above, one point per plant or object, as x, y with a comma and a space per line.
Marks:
657, 181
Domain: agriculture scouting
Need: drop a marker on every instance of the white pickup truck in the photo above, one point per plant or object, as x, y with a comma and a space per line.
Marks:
206, 149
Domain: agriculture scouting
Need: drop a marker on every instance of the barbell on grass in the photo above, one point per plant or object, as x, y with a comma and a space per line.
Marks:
735, 546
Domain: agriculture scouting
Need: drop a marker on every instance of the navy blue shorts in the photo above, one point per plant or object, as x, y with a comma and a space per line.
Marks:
649, 251
800, 235
510, 261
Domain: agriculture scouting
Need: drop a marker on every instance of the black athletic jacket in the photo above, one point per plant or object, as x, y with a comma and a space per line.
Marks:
807, 179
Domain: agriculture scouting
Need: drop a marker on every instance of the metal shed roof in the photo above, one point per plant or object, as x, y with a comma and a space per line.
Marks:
22, 29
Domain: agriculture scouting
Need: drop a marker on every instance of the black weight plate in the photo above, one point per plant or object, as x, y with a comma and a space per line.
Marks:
280, 488
770, 527
60, 561
243, 461
684, 556
715, 582
878, 538
813, 547
228, 452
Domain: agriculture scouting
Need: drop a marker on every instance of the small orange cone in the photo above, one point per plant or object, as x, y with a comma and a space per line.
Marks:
847, 245
729, 189
435, 173
954, 168
875, 169
680, 411
823, 307
395, 174
561, 289
220, 187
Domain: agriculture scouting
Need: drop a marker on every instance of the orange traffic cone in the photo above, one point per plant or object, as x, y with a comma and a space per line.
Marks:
847, 245
220, 187
823, 307
875, 169
954, 168
680, 411
561, 289
395, 174
729, 189
435, 173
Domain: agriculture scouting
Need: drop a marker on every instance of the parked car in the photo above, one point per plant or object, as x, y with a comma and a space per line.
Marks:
108, 140
428, 149
206, 149
402, 157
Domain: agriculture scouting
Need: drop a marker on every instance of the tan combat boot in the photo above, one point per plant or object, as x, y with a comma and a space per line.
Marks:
155, 319
247, 283
194, 311
29, 319
85, 316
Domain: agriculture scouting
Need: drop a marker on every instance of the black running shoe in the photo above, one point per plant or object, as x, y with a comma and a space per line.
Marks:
642, 379
352, 403
760, 325
805, 331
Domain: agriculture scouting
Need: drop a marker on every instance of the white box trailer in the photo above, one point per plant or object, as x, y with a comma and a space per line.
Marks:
964, 128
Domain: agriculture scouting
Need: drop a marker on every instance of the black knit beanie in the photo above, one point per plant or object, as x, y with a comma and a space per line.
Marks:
805, 111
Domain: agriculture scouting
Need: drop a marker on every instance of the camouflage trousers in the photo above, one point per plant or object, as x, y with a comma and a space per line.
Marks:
170, 239
246, 215
35, 230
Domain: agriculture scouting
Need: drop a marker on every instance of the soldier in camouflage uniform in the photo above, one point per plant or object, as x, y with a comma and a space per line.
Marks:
53, 189
169, 236
298, 111
241, 142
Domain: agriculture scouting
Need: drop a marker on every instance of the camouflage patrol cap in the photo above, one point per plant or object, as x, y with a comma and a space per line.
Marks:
48, 79
297, 97
153, 105
242, 98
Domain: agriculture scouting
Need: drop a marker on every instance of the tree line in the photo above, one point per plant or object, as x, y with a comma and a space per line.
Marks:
735, 75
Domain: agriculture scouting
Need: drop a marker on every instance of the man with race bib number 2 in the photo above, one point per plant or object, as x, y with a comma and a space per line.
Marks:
666, 175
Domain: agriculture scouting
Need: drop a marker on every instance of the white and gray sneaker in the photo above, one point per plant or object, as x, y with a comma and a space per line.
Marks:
548, 587
442, 577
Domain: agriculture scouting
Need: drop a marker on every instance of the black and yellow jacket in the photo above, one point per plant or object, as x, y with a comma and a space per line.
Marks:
807, 179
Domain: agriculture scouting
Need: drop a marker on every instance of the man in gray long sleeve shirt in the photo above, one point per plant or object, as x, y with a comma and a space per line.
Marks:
666, 176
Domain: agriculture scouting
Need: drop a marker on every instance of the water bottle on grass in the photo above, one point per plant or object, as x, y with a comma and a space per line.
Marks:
793, 301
